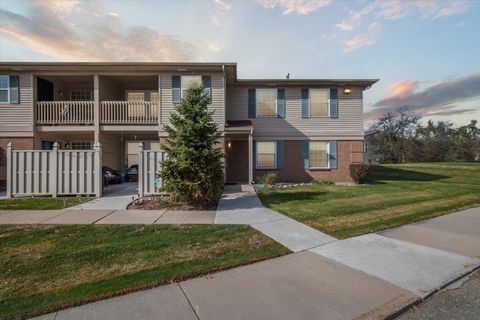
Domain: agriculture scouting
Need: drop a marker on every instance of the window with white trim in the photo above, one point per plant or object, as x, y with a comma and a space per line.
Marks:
81, 145
319, 101
135, 96
266, 102
4, 88
266, 154
187, 81
142, 95
318, 154
80, 95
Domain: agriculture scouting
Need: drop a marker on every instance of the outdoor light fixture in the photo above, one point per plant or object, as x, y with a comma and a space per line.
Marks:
347, 90
229, 144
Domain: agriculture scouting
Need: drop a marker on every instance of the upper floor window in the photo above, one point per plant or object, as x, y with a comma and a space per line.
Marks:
188, 81
9, 89
154, 96
4, 89
81, 95
318, 154
266, 102
142, 96
135, 96
319, 99
266, 154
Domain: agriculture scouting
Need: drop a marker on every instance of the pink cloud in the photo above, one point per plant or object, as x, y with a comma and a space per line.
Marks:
402, 87
70, 30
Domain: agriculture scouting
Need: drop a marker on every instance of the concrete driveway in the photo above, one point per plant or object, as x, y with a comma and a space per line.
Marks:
115, 197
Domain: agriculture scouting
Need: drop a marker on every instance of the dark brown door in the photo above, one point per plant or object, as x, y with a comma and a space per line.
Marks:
237, 161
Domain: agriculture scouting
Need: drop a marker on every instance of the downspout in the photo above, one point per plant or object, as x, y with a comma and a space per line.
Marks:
224, 98
224, 122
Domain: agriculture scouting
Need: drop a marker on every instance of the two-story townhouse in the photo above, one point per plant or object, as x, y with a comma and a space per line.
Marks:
302, 129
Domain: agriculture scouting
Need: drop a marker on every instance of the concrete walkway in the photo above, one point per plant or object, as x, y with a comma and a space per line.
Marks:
115, 197
240, 205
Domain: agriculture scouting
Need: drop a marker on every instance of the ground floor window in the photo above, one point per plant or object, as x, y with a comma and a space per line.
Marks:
266, 154
81, 145
81, 95
318, 154
47, 145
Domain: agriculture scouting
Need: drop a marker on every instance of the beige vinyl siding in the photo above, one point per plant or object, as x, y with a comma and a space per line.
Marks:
17, 119
218, 98
112, 150
348, 125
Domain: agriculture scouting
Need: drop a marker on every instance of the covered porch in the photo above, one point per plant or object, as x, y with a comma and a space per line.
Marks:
239, 152
110, 100
120, 149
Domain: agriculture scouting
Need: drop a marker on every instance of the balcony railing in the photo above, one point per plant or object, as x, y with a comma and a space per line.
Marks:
129, 112
64, 112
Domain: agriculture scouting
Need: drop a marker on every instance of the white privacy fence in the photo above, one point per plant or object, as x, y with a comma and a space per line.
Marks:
149, 165
55, 172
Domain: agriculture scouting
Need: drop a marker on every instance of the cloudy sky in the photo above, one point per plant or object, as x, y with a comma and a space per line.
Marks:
426, 53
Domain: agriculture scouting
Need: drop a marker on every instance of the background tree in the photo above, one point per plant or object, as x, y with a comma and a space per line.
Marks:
392, 141
193, 170
399, 137
435, 141
467, 141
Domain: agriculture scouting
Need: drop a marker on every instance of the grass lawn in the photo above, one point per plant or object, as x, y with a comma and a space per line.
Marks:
401, 194
46, 268
41, 203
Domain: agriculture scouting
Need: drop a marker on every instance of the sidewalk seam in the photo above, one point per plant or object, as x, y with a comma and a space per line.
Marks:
58, 215
189, 302
103, 216
160, 216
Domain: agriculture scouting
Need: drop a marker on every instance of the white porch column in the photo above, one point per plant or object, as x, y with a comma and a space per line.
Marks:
10, 174
250, 158
96, 107
54, 170
159, 110
141, 182
98, 170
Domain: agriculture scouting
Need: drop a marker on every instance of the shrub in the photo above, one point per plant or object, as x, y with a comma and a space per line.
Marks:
193, 170
268, 179
324, 182
359, 172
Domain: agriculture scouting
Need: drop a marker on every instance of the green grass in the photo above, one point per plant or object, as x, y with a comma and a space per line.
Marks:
46, 268
41, 203
401, 194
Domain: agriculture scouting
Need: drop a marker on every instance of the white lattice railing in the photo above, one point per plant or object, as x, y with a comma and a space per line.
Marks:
64, 112
129, 112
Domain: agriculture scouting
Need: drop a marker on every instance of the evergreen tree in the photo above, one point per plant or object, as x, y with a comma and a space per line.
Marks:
192, 171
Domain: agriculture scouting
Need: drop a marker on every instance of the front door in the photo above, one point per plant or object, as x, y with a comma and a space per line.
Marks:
237, 161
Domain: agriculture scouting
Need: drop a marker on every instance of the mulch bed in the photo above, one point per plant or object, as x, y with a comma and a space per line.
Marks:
162, 202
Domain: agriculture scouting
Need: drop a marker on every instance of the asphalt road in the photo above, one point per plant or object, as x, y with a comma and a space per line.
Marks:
459, 301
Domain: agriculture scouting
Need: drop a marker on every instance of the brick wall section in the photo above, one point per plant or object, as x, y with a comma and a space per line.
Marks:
19, 143
220, 144
293, 171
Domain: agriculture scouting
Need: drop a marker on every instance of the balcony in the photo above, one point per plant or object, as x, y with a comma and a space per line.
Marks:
111, 112
64, 112
129, 112
122, 100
